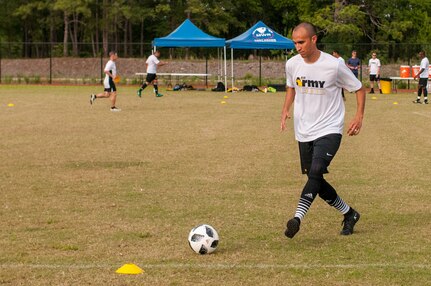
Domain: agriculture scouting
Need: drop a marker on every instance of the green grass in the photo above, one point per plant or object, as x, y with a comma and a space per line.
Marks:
84, 191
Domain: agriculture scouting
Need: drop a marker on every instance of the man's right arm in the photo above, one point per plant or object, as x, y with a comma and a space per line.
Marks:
285, 113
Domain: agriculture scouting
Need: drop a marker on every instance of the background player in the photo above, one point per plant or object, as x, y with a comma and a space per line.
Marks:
110, 88
423, 78
374, 69
152, 63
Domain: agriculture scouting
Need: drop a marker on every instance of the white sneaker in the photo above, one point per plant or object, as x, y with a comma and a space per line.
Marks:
115, 109
92, 98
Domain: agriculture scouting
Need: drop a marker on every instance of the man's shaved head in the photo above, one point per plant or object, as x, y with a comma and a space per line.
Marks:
310, 28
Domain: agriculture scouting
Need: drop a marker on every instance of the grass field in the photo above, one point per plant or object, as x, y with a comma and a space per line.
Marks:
84, 191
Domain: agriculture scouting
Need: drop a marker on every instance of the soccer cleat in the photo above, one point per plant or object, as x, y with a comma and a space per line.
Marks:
372, 91
417, 101
159, 95
292, 227
350, 219
115, 109
139, 92
92, 98
426, 101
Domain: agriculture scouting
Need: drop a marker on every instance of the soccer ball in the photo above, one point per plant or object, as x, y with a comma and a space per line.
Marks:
203, 239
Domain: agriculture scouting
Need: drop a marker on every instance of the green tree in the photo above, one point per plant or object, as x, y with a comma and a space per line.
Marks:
339, 22
73, 12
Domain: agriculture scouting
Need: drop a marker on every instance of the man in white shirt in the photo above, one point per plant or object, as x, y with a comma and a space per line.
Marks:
110, 90
337, 55
423, 75
152, 63
314, 83
374, 69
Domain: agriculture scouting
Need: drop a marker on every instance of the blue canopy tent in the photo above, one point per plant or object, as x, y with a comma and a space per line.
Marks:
259, 37
187, 35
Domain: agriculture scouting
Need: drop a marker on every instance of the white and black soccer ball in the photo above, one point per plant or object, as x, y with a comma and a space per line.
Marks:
203, 239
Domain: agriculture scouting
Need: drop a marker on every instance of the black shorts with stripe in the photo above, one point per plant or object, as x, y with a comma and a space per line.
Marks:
111, 87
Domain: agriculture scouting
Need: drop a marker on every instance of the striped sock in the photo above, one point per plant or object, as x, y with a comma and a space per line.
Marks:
340, 205
303, 207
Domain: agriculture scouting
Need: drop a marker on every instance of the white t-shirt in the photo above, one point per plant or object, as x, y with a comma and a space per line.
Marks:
341, 60
152, 62
318, 105
374, 65
425, 65
110, 66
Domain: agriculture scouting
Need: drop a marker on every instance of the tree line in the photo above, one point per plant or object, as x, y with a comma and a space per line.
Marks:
117, 24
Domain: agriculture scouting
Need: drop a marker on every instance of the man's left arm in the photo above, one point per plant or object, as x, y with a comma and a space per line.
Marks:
356, 123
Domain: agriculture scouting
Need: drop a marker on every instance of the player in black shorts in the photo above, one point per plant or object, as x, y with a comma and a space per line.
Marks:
319, 124
152, 64
423, 75
110, 90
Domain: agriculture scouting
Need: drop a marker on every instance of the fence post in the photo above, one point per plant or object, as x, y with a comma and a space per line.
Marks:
260, 67
206, 69
0, 61
101, 67
50, 63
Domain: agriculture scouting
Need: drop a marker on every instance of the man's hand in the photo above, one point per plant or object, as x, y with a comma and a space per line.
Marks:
284, 116
354, 127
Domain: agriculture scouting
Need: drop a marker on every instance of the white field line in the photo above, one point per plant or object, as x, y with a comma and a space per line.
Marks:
422, 114
220, 266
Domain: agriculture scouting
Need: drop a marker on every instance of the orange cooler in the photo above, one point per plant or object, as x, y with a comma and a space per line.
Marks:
415, 70
404, 71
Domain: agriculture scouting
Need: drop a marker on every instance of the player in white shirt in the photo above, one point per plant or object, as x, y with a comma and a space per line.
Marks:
423, 75
337, 55
152, 63
110, 90
314, 83
374, 69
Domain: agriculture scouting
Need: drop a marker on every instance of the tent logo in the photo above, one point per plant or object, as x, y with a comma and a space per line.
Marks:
263, 33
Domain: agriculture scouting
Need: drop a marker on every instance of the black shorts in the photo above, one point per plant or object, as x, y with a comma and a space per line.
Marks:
112, 87
150, 77
423, 82
374, 77
324, 147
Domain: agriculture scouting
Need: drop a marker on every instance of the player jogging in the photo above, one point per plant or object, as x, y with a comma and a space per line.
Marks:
423, 78
152, 63
110, 88
314, 83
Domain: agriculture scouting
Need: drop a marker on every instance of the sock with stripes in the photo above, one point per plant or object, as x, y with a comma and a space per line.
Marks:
308, 195
329, 195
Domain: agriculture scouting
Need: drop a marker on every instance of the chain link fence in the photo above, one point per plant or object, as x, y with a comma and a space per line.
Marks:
84, 63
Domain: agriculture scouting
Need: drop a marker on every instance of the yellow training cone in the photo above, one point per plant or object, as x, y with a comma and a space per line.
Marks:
373, 97
129, 269
395, 102
225, 97
11, 105
223, 102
